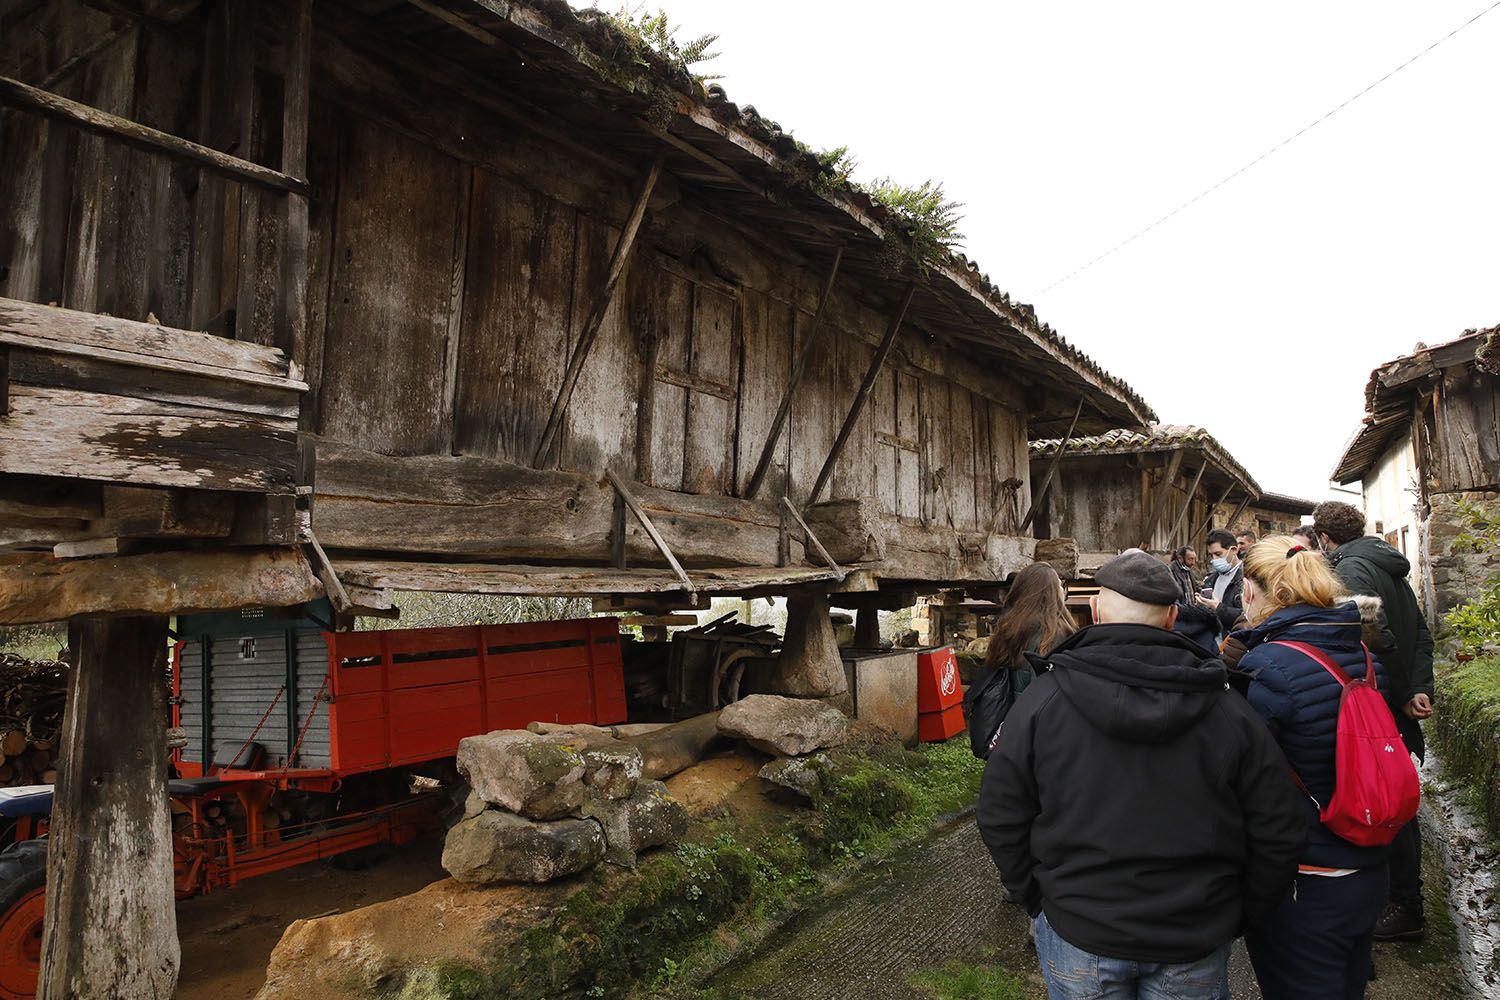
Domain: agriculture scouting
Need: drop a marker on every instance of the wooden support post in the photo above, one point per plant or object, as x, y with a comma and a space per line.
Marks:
291, 304
812, 539
1159, 507
4, 380
595, 319
1187, 505
784, 410
48, 105
809, 665
867, 627
111, 924
876, 363
1040, 493
1209, 523
650, 528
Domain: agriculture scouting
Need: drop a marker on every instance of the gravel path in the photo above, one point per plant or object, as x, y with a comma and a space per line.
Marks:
941, 902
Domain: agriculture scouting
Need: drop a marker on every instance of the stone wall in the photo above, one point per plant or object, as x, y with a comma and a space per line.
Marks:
1451, 578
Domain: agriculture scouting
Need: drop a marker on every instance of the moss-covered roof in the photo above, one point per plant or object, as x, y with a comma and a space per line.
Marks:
1157, 437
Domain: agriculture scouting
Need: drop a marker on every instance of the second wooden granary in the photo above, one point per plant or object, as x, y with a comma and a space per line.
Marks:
466, 295
1156, 489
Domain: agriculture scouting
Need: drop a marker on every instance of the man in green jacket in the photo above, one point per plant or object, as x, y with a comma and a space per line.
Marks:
1367, 565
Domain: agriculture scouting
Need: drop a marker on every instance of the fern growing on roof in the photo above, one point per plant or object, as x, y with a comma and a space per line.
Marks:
930, 221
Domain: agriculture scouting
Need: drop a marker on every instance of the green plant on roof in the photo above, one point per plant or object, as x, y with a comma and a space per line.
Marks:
929, 220
658, 33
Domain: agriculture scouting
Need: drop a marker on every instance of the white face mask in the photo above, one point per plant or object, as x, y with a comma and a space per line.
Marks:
1220, 564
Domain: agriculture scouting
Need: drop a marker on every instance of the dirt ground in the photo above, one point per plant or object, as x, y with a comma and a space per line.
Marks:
227, 936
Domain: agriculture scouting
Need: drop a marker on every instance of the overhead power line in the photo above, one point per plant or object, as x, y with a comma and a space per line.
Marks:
1280, 145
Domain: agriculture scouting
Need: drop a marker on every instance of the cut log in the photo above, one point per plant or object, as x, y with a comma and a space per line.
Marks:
13, 743
111, 836
40, 589
677, 747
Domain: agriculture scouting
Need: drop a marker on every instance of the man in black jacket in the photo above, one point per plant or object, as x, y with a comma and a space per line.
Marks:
1227, 580
1139, 810
1368, 565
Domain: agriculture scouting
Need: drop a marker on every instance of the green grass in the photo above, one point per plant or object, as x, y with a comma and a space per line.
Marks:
643, 931
957, 981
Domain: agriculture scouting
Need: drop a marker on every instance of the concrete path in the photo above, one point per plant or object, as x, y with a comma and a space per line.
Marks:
941, 902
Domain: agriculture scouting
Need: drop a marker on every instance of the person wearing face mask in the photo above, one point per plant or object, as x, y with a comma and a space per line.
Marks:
1225, 580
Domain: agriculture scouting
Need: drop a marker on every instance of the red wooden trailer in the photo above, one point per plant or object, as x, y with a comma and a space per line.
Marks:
302, 743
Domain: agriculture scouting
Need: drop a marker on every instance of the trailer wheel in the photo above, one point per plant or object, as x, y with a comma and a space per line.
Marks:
23, 893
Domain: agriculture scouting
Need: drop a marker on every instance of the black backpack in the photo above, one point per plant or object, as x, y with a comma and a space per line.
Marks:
986, 703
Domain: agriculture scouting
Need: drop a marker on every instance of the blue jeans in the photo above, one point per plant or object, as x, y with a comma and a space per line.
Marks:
1074, 974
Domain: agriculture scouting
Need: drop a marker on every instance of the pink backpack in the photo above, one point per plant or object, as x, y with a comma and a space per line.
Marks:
1376, 790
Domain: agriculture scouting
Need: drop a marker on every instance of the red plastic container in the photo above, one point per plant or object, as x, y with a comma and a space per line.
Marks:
934, 727
938, 686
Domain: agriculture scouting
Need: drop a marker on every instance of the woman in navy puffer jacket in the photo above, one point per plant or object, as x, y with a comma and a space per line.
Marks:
1317, 944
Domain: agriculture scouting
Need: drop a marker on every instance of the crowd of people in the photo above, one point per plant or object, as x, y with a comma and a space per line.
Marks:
1165, 780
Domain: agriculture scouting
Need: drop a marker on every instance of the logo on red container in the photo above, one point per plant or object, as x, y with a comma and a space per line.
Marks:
950, 678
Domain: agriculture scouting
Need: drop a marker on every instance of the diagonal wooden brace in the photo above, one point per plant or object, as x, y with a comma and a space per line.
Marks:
785, 409
651, 532
812, 539
590, 331
1040, 493
857, 407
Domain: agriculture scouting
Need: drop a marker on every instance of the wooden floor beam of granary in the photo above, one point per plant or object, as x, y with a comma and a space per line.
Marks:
111, 927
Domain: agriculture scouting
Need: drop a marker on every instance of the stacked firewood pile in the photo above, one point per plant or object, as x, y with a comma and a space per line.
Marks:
32, 695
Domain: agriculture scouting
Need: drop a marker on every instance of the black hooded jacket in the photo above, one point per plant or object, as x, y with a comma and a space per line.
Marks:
1370, 565
1138, 801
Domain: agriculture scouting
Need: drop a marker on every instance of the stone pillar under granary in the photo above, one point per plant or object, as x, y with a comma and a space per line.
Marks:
809, 665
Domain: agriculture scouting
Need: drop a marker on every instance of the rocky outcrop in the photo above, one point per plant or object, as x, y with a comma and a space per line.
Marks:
497, 846
540, 777
786, 727
648, 818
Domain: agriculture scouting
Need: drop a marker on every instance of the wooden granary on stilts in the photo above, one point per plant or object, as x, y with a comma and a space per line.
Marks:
356, 297
1156, 489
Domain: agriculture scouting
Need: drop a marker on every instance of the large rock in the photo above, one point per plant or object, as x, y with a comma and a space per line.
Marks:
649, 818
797, 774
498, 846
788, 727
541, 777
612, 772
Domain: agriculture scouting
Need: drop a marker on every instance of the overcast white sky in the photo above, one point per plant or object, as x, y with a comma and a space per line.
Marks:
1064, 127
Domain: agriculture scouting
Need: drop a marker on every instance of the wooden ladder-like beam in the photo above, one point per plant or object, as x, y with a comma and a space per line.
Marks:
602, 301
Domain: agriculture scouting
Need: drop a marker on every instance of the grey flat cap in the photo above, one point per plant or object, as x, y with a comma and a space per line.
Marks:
1139, 576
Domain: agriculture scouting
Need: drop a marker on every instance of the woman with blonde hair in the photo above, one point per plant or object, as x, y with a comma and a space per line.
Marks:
1316, 945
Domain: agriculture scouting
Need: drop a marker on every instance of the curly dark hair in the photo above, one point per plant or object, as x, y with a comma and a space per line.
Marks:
1342, 522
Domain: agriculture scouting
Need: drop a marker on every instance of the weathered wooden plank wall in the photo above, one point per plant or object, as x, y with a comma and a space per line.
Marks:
1466, 430
452, 260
